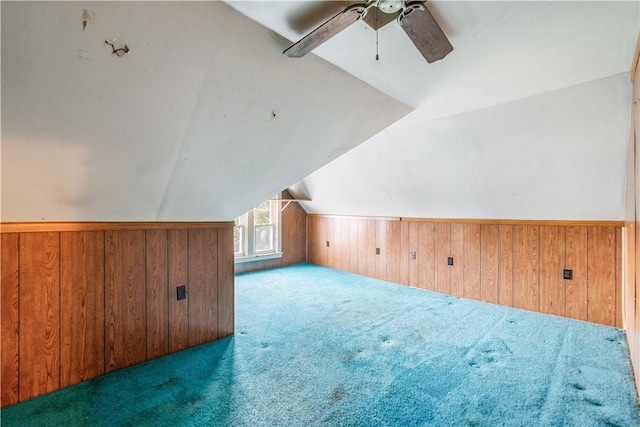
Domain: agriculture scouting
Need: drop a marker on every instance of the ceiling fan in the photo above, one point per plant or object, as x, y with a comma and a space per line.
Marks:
413, 16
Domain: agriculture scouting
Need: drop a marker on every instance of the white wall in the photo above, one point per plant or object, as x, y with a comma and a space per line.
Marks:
181, 129
559, 155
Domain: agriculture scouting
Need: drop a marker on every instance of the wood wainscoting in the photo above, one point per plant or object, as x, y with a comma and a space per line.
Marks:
513, 263
83, 299
632, 227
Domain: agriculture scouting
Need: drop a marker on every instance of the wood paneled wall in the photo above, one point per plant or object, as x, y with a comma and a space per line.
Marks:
77, 304
514, 264
294, 240
632, 228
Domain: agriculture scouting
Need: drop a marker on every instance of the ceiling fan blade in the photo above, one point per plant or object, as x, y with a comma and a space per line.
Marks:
310, 14
327, 30
424, 32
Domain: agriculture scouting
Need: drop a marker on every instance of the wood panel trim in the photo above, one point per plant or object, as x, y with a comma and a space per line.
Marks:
545, 222
157, 295
178, 273
225, 270
488, 221
39, 321
377, 218
125, 299
82, 306
39, 227
9, 319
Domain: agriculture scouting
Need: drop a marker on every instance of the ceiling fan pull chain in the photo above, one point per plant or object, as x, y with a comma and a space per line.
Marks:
377, 56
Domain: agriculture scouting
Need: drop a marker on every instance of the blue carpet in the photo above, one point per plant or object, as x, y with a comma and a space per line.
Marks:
315, 346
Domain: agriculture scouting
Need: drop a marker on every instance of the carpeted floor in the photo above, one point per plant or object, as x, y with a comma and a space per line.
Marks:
315, 346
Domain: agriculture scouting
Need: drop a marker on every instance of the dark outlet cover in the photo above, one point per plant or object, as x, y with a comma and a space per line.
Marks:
412, 255
377, 251
181, 292
327, 243
567, 274
450, 261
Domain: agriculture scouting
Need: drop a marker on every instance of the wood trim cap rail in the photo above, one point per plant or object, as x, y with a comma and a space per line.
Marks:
34, 227
378, 218
547, 222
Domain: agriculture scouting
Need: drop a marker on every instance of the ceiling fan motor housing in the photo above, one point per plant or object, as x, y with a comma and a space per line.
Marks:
390, 6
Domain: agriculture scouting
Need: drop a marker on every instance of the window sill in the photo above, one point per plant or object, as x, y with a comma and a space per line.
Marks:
240, 260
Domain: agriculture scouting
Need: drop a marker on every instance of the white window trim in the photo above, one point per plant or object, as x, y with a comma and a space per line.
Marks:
271, 255
249, 253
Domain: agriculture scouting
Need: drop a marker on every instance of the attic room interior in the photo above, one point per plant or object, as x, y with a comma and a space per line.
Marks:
452, 239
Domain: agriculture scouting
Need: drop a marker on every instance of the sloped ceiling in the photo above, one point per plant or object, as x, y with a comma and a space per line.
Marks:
201, 121
503, 50
559, 155
527, 118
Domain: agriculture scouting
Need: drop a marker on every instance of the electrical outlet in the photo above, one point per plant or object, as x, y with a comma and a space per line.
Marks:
567, 274
181, 292
327, 243
412, 255
450, 261
377, 251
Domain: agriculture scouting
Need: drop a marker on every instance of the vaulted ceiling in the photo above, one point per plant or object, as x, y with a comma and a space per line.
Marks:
528, 117
201, 121
502, 50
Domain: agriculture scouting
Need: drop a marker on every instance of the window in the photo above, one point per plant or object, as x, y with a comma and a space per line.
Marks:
239, 232
257, 232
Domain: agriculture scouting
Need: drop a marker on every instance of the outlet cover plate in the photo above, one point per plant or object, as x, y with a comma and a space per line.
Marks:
567, 274
181, 292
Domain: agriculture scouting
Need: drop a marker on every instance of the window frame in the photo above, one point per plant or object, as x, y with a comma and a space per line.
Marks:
247, 225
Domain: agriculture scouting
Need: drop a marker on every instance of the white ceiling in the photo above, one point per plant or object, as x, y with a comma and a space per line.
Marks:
205, 117
203, 120
559, 155
527, 118
503, 51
